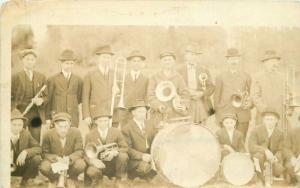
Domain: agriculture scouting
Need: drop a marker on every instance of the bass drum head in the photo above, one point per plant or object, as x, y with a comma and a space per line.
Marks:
238, 168
188, 155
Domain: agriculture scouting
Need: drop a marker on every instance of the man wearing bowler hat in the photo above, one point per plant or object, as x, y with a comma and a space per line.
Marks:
114, 164
24, 87
165, 86
25, 150
229, 83
62, 147
98, 85
65, 89
268, 88
139, 135
199, 83
266, 143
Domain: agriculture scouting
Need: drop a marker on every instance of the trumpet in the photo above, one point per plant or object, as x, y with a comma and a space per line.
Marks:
241, 100
93, 151
203, 77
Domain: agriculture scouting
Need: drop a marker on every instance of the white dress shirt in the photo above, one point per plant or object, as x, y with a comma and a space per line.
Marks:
270, 132
230, 134
66, 74
103, 134
135, 75
63, 141
103, 70
29, 74
14, 138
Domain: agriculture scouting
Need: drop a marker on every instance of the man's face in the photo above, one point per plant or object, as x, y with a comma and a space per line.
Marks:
271, 64
136, 63
167, 62
67, 65
29, 61
229, 124
191, 58
102, 123
140, 113
62, 127
233, 62
270, 121
16, 126
104, 60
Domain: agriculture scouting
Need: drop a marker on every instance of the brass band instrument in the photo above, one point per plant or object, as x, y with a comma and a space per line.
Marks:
61, 167
241, 100
93, 151
203, 77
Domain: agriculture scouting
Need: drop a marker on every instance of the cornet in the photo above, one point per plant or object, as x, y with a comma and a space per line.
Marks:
203, 77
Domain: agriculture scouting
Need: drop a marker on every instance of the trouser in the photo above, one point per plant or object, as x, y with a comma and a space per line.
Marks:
277, 167
76, 168
116, 167
141, 169
243, 128
291, 175
29, 169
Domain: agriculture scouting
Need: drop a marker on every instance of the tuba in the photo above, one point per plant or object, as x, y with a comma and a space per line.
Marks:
241, 100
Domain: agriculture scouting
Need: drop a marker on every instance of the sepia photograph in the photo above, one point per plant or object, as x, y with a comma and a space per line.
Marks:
122, 104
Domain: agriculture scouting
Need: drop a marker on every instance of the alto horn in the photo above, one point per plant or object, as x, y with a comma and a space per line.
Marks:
165, 91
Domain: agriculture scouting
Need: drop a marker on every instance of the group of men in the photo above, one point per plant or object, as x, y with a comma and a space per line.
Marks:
146, 107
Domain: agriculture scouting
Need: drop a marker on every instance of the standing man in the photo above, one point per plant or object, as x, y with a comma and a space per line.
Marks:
269, 86
97, 85
139, 135
24, 87
62, 147
199, 83
228, 83
167, 92
25, 158
114, 164
65, 89
266, 143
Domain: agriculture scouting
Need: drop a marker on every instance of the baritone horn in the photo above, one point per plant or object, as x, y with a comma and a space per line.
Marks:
93, 151
241, 100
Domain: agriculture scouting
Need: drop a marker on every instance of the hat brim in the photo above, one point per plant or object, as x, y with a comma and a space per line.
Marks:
63, 59
270, 112
228, 56
200, 52
22, 118
62, 119
265, 59
28, 53
99, 53
135, 107
100, 116
140, 56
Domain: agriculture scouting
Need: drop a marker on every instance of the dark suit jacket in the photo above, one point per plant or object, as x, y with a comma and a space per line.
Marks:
259, 141
136, 140
135, 89
209, 85
292, 144
29, 144
228, 84
237, 140
97, 93
64, 96
18, 91
52, 146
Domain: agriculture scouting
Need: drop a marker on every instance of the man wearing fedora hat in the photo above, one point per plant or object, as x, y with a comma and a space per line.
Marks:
98, 85
268, 88
25, 150
115, 163
266, 143
199, 83
139, 135
65, 89
24, 86
63, 145
229, 83
162, 109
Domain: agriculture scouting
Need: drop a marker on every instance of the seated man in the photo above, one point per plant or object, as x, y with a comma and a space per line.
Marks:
266, 144
62, 146
110, 163
292, 156
139, 135
230, 139
25, 150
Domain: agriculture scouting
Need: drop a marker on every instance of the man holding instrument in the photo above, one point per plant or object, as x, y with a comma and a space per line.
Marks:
98, 85
25, 150
29, 93
65, 89
139, 135
266, 144
62, 151
111, 162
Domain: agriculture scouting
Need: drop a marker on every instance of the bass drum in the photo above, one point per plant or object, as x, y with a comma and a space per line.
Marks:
238, 168
186, 155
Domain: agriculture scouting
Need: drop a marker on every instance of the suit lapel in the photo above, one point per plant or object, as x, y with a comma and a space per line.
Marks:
109, 136
226, 137
63, 81
71, 81
58, 142
22, 141
137, 129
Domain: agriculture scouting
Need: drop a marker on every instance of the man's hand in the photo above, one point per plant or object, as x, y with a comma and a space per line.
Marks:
88, 120
97, 163
38, 101
269, 155
229, 148
48, 124
147, 157
21, 158
294, 161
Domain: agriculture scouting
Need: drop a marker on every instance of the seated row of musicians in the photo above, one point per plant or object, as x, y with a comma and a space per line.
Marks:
63, 144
